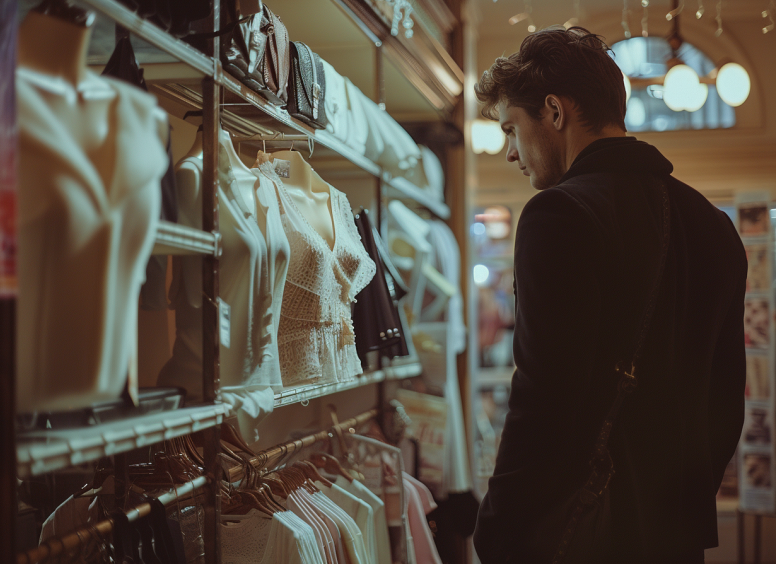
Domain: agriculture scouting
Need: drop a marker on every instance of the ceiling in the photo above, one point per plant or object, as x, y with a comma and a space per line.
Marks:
494, 15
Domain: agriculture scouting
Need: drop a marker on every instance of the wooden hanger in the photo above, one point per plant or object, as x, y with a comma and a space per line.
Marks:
311, 471
233, 437
330, 464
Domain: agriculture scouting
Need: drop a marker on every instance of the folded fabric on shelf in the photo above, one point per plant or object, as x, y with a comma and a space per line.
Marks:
336, 102
358, 125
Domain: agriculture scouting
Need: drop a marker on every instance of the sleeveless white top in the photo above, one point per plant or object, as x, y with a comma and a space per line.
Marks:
252, 276
316, 341
86, 229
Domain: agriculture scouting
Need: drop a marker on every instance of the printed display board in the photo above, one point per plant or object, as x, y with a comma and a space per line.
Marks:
756, 455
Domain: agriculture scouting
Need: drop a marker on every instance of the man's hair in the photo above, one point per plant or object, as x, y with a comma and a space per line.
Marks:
572, 63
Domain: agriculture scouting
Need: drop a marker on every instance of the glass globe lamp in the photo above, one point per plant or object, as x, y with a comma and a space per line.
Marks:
733, 84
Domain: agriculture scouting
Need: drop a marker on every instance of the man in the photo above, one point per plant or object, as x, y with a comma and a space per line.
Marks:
587, 255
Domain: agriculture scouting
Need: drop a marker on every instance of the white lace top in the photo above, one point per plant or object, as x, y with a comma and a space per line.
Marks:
316, 341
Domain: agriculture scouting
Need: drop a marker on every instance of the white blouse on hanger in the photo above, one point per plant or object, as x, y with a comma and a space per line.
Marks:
316, 341
87, 221
382, 543
252, 276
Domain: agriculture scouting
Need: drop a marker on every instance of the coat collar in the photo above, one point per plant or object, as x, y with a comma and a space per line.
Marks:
617, 155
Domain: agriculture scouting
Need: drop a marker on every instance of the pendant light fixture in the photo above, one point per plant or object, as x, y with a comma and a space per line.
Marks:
683, 89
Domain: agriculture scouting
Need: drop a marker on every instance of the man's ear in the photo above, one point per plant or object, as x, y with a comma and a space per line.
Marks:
556, 110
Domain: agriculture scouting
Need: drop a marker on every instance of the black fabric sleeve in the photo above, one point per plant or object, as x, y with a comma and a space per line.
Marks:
556, 337
728, 379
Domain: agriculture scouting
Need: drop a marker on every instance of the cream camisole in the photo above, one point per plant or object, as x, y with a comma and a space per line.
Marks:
316, 341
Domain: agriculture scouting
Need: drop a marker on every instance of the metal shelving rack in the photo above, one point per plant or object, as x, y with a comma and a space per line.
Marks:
39, 452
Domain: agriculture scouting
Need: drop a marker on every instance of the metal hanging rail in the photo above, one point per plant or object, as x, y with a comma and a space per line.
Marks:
57, 546
175, 239
267, 458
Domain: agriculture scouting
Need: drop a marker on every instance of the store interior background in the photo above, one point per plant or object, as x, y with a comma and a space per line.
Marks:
717, 162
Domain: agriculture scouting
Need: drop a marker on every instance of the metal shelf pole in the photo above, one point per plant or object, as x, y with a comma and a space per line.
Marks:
211, 92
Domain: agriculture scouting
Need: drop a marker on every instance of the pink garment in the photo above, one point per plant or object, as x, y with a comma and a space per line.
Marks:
426, 497
422, 539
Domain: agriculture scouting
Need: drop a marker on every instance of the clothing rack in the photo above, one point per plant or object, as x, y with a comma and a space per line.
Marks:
267, 458
215, 97
56, 546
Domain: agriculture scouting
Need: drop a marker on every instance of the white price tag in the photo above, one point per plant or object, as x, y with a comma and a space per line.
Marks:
225, 318
282, 168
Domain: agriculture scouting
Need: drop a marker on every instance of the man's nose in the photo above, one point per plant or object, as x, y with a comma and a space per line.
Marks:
512, 154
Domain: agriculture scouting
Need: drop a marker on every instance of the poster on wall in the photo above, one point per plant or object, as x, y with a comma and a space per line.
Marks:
756, 455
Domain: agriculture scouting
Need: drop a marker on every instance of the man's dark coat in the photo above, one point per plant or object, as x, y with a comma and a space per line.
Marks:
586, 256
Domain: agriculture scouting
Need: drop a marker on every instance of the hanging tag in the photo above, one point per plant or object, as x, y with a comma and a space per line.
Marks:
282, 168
225, 318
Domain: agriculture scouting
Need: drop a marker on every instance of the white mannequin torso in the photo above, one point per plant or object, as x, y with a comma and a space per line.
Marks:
91, 155
310, 194
55, 50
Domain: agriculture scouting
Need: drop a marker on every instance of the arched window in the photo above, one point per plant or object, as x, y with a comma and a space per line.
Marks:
641, 57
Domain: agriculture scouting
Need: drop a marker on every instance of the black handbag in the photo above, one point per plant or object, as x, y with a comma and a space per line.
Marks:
306, 87
375, 313
584, 520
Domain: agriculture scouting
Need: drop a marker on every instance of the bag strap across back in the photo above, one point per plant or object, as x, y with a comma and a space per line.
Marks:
600, 461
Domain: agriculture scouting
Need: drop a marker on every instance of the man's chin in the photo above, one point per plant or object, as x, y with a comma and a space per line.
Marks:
537, 184
542, 183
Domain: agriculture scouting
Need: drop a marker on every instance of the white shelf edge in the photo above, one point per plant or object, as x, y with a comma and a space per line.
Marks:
38, 452
402, 371
174, 239
306, 393
494, 376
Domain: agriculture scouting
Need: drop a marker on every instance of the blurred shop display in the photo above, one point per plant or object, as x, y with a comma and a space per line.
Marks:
755, 471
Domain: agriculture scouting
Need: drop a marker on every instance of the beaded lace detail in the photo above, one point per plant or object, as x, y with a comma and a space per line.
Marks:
316, 340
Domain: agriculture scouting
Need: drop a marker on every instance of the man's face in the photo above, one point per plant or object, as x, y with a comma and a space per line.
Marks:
530, 143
